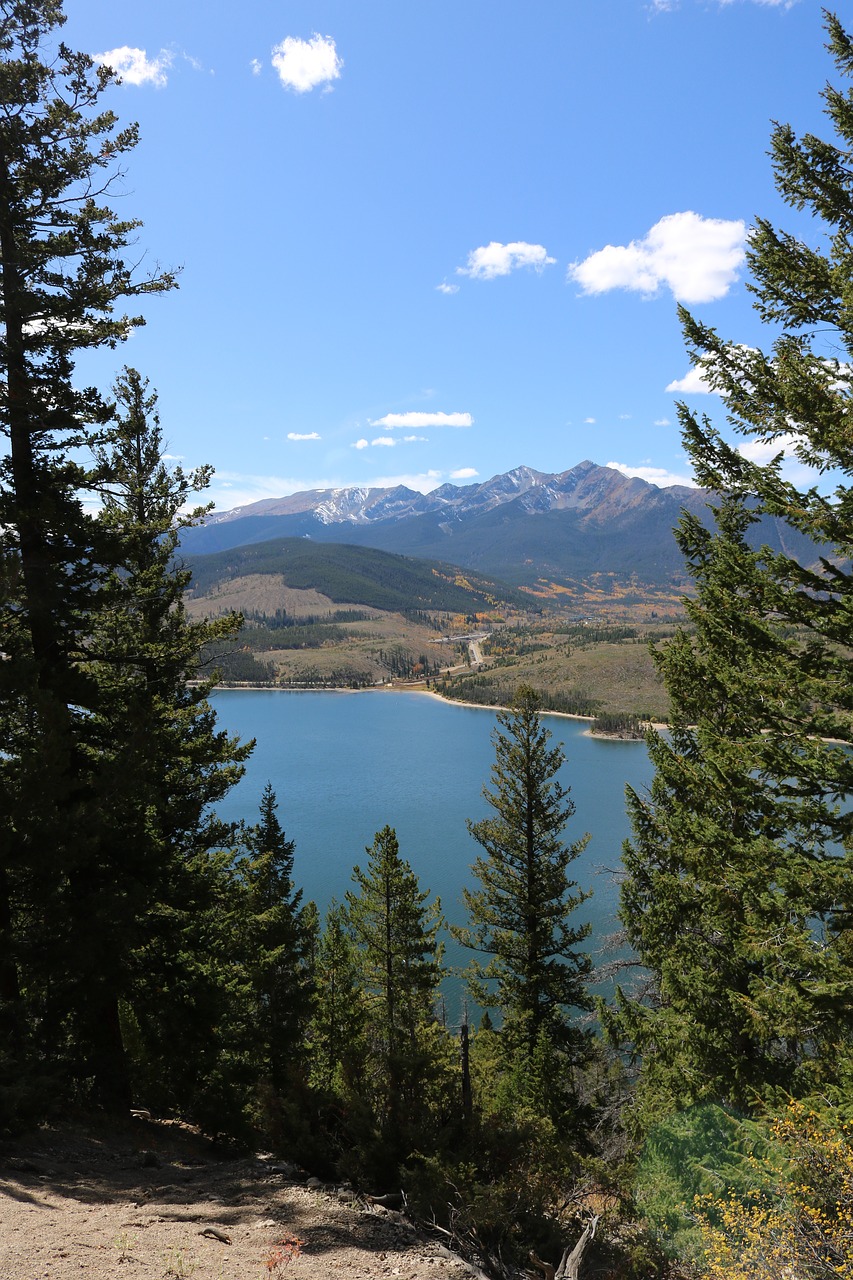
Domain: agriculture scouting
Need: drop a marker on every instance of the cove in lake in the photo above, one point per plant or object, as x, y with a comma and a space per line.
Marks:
346, 764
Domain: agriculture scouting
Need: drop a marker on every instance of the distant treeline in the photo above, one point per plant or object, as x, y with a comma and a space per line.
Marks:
488, 690
280, 618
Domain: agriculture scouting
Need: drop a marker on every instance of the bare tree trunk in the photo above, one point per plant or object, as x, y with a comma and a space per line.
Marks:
467, 1101
570, 1263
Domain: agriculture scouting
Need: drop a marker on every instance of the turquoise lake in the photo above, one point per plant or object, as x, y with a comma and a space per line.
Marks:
345, 764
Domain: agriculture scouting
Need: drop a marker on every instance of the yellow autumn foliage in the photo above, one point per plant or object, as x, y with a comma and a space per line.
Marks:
803, 1228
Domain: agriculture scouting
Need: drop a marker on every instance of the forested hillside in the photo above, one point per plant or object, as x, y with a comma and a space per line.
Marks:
357, 575
152, 954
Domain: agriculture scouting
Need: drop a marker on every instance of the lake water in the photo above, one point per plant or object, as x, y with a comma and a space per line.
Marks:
346, 764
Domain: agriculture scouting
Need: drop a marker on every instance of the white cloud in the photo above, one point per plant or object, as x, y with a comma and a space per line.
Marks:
464, 473
696, 258
418, 419
447, 288
589, 422
256, 67
654, 475
135, 67
384, 442
694, 383
625, 417
496, 259
422, 482
697, 381
360, 444
303, 64
303, 435
414, 439
762, 451
662, 422
793, 469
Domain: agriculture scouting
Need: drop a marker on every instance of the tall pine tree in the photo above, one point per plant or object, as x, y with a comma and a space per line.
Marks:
738, 896
159, 761
280, 946
395, 931
62, 274
520, 914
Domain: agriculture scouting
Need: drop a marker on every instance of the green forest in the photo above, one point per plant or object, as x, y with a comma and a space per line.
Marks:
375, 579
151, 954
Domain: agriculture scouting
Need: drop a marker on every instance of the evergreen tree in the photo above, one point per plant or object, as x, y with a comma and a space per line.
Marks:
520, 914
61, 275
280, 945
396, 934
159, 760
337, 1028
738, 897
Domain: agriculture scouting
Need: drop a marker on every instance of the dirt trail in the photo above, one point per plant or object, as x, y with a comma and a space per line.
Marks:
153, 1201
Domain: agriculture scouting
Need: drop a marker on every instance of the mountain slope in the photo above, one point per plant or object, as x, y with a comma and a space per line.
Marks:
520, 526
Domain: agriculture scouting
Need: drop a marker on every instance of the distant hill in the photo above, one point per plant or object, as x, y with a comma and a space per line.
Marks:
518, 527
355, 575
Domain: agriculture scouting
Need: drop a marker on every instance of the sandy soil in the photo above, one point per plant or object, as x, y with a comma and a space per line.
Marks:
153, 1201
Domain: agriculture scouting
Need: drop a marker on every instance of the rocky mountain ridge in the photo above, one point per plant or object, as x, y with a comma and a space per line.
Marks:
524, 526
585, 487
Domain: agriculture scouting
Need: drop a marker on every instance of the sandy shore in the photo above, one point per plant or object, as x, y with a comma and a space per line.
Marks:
431, 693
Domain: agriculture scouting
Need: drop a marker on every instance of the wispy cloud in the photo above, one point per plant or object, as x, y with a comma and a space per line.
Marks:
662, 422
667, 6
417, 419
589, 422
696, 258
303, 64
422, 482
444, 287
654, 475
386, 442
256, 67
303, 435
231, 489
496, 259
464, 473
135, 67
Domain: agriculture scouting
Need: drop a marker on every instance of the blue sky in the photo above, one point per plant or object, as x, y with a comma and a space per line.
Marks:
430, 242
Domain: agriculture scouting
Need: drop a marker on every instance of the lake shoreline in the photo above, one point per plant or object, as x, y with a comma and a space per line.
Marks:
431, 693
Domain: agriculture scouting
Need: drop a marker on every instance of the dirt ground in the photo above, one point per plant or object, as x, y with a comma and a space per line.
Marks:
153, 1201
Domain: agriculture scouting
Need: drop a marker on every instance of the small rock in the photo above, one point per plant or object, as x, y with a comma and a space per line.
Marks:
313, 1183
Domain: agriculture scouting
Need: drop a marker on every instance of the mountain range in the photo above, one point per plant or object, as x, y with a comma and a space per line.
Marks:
522, 526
